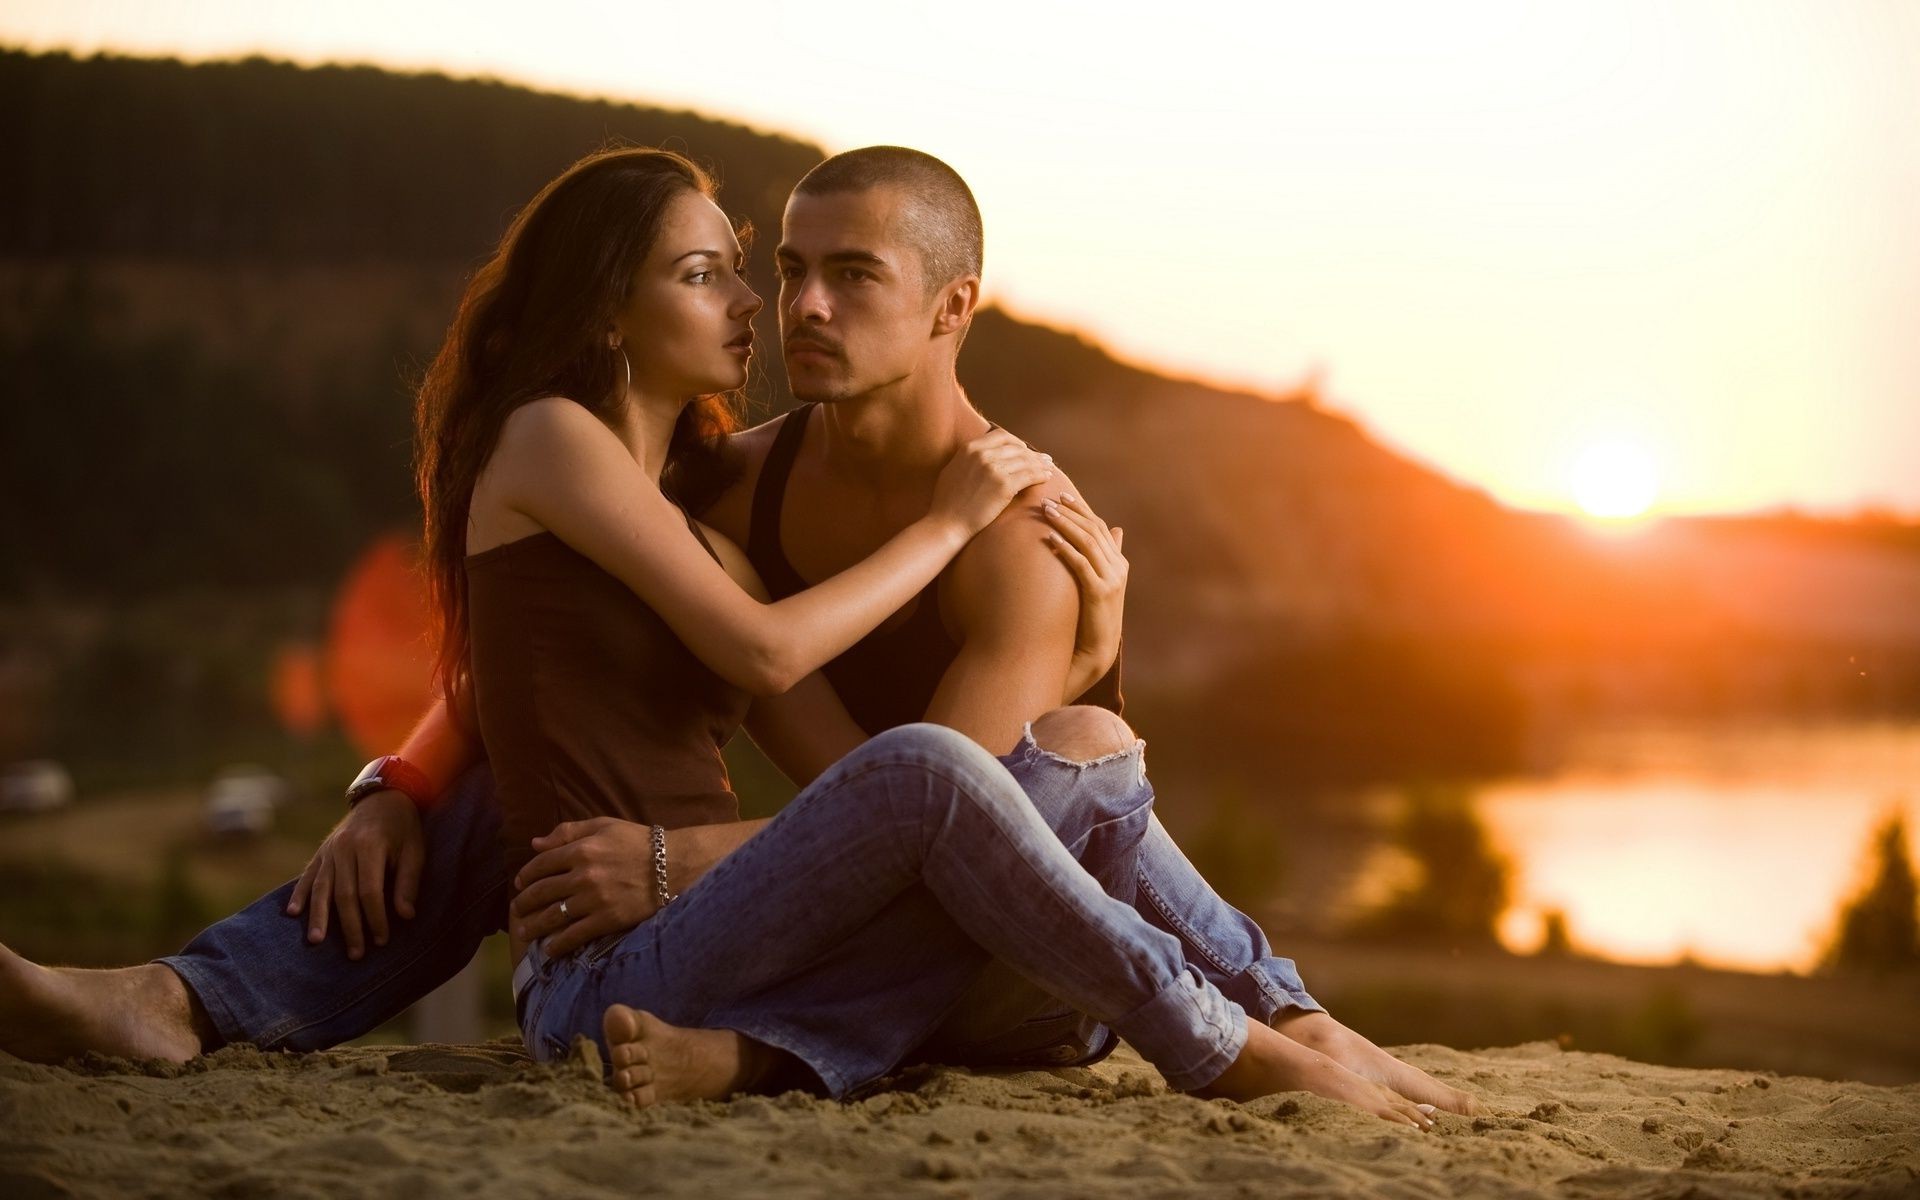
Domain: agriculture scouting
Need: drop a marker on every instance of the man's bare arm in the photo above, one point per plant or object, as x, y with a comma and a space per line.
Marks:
804, 730
444, 743
1013, 607
380, 836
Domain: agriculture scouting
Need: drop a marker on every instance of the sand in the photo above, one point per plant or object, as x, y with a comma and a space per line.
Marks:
429, 1121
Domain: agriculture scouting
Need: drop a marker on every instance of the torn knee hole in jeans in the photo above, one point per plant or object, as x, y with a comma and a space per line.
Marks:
1137, 750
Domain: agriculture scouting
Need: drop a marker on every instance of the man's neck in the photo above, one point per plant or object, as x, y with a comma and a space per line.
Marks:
897, 438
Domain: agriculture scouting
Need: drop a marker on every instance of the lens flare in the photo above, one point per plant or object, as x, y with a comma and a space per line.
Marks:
295, 689
378, 657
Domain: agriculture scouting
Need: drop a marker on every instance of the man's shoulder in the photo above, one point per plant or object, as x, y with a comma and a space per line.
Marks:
1008, 568
757, 439
1020, 531
732, 511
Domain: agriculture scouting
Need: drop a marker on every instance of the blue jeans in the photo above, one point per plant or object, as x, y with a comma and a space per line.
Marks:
260, 982
845, 930
1093, 807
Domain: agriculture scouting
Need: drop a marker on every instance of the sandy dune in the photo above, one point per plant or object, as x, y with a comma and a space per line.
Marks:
422, 1122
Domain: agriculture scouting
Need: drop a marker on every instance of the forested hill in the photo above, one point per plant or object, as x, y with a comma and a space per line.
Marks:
217, 279
259, 160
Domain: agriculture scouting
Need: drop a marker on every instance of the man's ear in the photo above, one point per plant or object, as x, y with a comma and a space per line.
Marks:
957, 302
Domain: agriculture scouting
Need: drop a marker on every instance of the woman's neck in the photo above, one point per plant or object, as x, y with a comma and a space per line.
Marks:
645, 426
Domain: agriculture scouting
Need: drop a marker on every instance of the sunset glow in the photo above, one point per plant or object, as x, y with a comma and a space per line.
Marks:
1614, 480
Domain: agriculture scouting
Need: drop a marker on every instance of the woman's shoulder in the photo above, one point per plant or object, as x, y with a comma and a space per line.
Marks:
550, 417
551, 433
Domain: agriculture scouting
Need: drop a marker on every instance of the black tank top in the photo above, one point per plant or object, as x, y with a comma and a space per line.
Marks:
889, 677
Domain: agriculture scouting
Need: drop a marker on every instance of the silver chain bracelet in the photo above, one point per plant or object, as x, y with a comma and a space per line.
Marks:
661, 895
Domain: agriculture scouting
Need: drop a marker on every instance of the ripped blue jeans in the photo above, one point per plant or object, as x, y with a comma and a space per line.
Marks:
922, 900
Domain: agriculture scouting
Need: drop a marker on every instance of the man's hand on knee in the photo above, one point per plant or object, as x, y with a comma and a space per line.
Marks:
348, 873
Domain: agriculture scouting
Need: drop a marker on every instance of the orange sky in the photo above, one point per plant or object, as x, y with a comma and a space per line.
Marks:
1508, 233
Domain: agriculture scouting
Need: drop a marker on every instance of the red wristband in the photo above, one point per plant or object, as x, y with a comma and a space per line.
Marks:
396, 774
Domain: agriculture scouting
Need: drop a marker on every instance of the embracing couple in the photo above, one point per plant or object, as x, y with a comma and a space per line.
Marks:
912, 613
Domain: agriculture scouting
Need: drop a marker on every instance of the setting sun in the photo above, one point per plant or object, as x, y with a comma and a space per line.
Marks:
1614, 480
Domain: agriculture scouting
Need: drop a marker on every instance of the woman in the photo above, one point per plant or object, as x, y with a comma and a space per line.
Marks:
609, 645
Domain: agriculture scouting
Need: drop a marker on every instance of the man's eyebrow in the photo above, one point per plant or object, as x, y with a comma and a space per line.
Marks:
866, 257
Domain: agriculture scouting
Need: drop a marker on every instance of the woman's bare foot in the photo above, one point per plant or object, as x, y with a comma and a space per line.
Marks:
1318, 1031
657, 1063
1272, 1063
51, 1014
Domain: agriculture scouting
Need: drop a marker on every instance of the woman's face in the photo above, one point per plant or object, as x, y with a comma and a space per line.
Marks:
686, 324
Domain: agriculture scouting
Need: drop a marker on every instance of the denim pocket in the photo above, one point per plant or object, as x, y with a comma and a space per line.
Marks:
552, 1049
547, 1040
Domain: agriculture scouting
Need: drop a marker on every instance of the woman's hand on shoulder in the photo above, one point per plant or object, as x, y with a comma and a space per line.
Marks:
985, 475
1091, 551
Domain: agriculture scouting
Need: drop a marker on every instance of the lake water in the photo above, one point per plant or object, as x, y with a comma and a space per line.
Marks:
1735, 846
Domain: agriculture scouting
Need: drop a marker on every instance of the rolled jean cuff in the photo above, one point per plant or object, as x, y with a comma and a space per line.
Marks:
1281, 988
206, 989
1189, 1031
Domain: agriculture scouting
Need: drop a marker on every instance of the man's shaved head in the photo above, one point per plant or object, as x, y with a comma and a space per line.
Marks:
939, 218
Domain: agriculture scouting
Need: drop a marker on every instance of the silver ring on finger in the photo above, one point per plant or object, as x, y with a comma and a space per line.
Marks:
563, 910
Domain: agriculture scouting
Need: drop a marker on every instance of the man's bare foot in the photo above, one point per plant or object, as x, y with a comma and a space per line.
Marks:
1272, 1063
51, 1014
1318, 1031
657, 1063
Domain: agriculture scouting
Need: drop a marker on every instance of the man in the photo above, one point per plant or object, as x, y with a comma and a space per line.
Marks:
879, 262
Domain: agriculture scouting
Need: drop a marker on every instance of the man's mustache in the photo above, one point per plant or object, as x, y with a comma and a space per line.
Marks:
802, 341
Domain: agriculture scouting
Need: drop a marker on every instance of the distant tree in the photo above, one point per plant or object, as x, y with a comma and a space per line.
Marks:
1556, 941
1461, 885
1879, 929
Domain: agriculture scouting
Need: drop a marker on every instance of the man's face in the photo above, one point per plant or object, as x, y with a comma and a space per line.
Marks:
854, 311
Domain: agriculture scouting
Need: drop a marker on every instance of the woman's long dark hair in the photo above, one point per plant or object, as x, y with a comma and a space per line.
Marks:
533, 323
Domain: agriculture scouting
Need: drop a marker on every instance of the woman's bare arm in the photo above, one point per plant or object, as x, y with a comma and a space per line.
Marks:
567, 472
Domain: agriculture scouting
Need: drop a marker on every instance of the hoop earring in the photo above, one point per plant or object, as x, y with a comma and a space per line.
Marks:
628, 364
